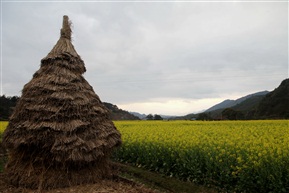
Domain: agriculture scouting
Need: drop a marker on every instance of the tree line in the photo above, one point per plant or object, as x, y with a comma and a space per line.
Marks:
154, 117
7, 104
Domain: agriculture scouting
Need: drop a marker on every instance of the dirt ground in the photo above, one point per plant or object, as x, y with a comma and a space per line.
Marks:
104, 186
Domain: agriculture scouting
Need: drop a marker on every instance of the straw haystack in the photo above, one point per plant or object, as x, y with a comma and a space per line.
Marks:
60, 133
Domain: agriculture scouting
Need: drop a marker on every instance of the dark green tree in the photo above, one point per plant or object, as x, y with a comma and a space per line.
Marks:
275, 105
232, 114
157, 117
204, 117
7, 104
150, 117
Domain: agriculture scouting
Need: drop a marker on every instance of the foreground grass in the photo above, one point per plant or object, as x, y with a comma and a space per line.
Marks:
159, 181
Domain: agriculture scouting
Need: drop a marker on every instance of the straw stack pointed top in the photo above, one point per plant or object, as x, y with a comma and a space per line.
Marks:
64, 45
60, 132
65, 32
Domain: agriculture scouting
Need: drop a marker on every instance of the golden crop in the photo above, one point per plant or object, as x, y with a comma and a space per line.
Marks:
235, 155
3, 125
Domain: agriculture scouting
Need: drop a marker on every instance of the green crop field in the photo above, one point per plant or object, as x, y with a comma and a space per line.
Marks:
235, 156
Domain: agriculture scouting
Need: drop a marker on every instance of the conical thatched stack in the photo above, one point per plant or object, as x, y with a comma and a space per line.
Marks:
60, 133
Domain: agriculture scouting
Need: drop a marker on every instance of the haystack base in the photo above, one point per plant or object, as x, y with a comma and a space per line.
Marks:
44, 175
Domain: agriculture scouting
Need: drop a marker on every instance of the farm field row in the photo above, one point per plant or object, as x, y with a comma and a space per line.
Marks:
236, 156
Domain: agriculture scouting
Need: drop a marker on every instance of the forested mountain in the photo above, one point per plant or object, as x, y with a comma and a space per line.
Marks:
231, 103
119, 114
275, 105
139, 115
243, 110
261, 105
7, 104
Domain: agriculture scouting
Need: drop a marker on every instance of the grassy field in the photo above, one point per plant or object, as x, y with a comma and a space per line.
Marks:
235, 156
240, 156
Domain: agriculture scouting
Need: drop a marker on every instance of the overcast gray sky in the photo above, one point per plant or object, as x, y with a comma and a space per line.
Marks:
169, 58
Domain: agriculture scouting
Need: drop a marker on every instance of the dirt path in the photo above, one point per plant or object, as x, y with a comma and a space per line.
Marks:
104, 186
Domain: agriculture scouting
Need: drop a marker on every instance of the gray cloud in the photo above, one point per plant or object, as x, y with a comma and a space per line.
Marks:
141, 52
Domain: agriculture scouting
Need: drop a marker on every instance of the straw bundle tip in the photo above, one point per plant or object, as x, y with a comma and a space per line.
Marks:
65, 32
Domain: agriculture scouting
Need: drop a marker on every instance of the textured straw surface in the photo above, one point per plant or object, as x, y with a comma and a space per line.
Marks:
59, 128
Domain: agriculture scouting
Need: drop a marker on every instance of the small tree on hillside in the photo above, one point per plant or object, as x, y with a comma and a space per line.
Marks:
232, 114
150, 117
204, 117
157, 117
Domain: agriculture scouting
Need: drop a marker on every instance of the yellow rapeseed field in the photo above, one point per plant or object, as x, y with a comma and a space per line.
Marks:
236, 156
3, 125
251, 156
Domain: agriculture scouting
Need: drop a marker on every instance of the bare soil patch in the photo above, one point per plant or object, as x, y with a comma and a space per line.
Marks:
117, 185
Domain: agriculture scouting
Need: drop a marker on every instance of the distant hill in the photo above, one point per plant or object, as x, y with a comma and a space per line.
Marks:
230, 103
191, 116
244, 105
8, 103
261, 105
246, 109
275, 105
139, 115
249, 104
225, 104
119, 114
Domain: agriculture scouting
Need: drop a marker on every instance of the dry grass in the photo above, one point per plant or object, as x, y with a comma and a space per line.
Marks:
103, 186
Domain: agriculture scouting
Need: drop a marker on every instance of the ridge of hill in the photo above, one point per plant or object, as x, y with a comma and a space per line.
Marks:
231, 103
8, 103
275, 105
260, 105
245, 109
119, 114
139, 115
